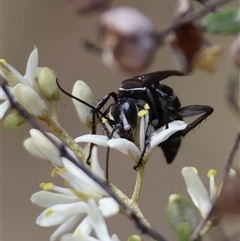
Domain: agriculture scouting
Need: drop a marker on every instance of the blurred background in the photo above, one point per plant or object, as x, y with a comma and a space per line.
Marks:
58, 33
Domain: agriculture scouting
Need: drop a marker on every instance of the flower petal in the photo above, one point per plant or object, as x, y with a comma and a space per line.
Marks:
96, 139
59, 213
95, 166
85, 227
32, 149
30, 100
46, 147
48, 199
31, 67
163, 134
17, 74
72, 237
126, 147
64, 227
85, 182
196, 190
98, 222
82, 91
108, 206
4, 107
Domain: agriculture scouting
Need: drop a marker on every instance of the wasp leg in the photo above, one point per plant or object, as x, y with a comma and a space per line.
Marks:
96, 112
171, 145
193, 110
105, 99
146, 145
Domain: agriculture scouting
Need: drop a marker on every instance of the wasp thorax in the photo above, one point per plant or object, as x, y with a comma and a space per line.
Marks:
129, 39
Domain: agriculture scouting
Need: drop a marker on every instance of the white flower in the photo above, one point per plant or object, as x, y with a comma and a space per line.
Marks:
98, 224
68, 206
27, 79
82, 91
40, 146
201, 198
127, 147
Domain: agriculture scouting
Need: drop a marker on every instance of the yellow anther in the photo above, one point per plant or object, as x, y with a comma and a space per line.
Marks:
141, 113
46, 186
63, 170
49, 212
54, 172
211, 172
195, 170
104, 120
146, 106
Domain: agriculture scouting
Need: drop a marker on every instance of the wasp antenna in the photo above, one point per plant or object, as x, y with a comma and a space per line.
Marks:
82, 101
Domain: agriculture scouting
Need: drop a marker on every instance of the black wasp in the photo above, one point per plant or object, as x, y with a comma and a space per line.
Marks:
133, 94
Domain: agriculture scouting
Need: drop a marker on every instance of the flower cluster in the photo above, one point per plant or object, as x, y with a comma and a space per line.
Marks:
82, 204
30, 90
129, 42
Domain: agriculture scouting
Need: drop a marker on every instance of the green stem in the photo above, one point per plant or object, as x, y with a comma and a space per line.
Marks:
54, 109
138, 184
130, 203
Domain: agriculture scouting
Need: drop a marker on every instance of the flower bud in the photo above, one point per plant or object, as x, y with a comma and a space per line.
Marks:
134, 238
29, 99
86, 6
45, 147
47, 84
13, 121
129, 39
82, 91
32, 149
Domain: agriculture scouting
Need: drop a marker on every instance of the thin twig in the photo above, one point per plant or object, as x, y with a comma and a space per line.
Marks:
103, 183
191, 17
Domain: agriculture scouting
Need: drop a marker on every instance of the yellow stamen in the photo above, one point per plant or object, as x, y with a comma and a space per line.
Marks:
141, 113
146, 106
49, 212
54, 172
46, 186
195, 170
63, 170
211, 172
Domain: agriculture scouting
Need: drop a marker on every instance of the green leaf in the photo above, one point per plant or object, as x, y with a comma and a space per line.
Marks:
184, 232
223, 22
180, 211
